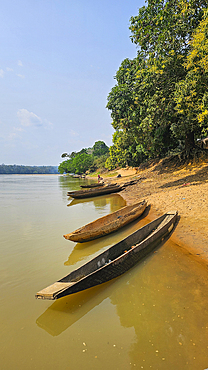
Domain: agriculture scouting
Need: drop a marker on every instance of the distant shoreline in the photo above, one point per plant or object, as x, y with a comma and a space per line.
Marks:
14, 169
31, 174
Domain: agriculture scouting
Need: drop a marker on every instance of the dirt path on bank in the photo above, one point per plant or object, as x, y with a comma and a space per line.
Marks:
166, 189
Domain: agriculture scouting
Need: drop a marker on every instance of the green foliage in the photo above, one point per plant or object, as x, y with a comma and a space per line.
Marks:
85, 160
148, 104
124, 151
78, 164
82, 162
16, 169
117, 152
64, 155
99, 162
100, 149
66, 167
191, 95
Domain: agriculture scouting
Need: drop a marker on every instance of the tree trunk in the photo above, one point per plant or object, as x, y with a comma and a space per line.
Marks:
189, 141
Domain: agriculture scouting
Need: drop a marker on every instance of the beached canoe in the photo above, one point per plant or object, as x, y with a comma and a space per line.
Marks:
115, 261
91, 192
107, 224
96, 185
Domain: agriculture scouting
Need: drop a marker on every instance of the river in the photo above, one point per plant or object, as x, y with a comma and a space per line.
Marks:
155, 316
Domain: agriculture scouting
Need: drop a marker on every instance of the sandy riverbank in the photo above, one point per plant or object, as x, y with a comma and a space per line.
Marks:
166, 189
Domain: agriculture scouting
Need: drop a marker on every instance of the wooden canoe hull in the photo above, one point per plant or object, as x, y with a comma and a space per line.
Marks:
96, 185
114, 262
107, 224
88, 193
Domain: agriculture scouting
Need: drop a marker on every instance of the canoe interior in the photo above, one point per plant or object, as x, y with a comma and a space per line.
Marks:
114, 252
125, 211
114, 261
100, 188
87, 193
96, 185
107, 224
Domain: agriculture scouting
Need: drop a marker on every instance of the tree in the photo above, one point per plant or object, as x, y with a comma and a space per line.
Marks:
163, 30
66, 167
118, 152
138, 107
64, 155
82, 162
86, 159
143, 101
191, 94
100, 148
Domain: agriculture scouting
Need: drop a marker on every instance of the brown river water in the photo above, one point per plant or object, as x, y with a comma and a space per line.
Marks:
155, 316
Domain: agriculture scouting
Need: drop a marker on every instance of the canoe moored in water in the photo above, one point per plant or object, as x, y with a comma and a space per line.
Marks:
96, 185
114, 262
107, 224
100, 190
93, 192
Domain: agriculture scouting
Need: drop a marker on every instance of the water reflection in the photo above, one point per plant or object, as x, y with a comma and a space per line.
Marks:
83, 250
166, 311
163, 299
88, 300
66, 311
114, 200
68, 183
158, 306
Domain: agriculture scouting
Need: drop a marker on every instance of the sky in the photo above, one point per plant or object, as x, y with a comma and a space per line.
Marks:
58, 59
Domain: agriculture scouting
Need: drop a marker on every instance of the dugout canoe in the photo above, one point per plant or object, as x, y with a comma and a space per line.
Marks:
96, 185
115, 261
107, 224
99, 184
91, 192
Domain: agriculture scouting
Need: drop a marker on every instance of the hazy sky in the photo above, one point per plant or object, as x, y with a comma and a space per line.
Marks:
57, 63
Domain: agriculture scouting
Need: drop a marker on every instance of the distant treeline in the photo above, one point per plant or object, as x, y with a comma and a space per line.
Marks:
86, 160
17, 169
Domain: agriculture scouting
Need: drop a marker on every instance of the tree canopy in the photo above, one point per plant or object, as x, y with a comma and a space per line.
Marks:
160, 100
87, 159
100, 148
191, 96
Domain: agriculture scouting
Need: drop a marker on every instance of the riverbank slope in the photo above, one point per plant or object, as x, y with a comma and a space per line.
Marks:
167, 188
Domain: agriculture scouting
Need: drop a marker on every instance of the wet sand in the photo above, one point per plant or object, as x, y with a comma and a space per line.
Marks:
167, 189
